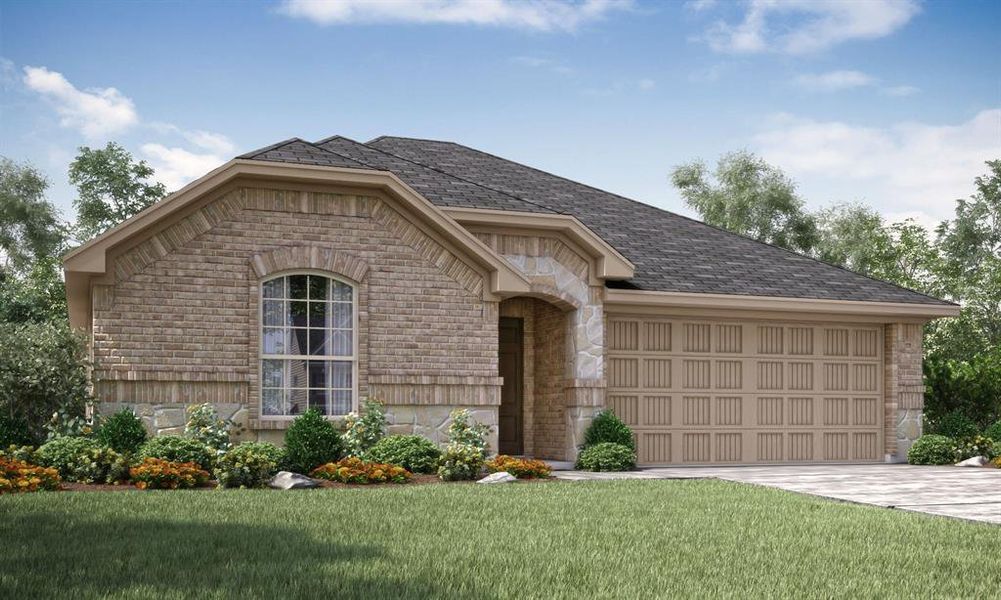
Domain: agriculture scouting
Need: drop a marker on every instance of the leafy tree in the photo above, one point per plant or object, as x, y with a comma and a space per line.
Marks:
38, 296
748, 196
30, 229
112, 187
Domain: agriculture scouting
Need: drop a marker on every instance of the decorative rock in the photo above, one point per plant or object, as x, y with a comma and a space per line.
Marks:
976, 461
285, 480
499, 477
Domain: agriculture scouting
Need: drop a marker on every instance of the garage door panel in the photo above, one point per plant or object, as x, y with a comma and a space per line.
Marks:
701, 392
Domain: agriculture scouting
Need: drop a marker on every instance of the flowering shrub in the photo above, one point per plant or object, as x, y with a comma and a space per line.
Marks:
460, 462
464, 431
415, 453
28, 454
83, 460
355, 470
607, 456
977, 445
19, 476
205, 426
363, 431
522, 468
122, 432
175, 448
250, 465
997, 462
158, 474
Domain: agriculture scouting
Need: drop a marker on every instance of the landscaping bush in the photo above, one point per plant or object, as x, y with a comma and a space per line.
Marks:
955, 425
932, 450
28, 454
83, 460
607, 428
123, 432
976, 446
249, 465
66, 423
460, 462
994, 431
174, 448
364, 431
522, 468
356, 470
607, 456
464, 431
969, 387
415, 453
14, 432
43, 368
310, 441
158, 474
205, 426
18, 476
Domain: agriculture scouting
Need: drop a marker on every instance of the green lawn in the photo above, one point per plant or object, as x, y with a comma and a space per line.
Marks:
622, 539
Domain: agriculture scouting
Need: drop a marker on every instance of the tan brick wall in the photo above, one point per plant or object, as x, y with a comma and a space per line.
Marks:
904, 388
179, 324
550, 377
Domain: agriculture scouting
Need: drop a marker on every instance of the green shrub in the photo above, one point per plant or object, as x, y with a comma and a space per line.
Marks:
123, 432
955, 425
994, 431
28, 454
83, 460
466, 432
249, 465
977, 445
174, 448
361, 432
970, 387
310, 441
14, 432
607, 456
607, 428
460, 462
932, 450
65, 423
43, 368
205, 426
414, 453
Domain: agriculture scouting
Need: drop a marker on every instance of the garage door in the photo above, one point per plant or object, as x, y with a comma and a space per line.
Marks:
712, 391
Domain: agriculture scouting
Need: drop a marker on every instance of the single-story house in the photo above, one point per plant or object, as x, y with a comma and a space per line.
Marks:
430, 276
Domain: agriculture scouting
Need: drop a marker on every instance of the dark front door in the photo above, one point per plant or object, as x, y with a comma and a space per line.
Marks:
511, 361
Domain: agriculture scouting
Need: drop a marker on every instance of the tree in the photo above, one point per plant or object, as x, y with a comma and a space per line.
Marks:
748, 196
30, 229
112, 187
38, 296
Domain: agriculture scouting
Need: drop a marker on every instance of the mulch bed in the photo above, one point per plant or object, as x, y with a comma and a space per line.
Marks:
415, 480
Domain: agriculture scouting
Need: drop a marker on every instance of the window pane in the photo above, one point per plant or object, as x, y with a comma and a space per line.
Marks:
297, 287
340, 374
319, 341
318, 314
342, 314
318, 400
340, 342
297, 313
297, 342
340, 291
297, 402
274, 313
274, 288
317, 287
296, 374
273, 341
317, 374
341, 402
272, 402
273, 373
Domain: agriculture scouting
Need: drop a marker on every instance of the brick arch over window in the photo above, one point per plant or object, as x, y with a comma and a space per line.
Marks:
309, 257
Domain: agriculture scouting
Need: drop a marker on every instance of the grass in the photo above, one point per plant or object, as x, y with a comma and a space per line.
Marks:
623, 539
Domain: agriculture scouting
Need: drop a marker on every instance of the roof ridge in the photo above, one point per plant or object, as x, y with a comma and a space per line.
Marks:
253, 153
703, 223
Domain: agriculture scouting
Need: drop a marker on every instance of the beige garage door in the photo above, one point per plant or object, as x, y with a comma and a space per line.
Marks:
713, 391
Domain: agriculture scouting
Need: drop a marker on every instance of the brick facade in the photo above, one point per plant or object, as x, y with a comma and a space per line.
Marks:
904, 388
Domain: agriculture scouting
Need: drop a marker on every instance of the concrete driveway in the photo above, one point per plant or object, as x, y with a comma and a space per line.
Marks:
965, 493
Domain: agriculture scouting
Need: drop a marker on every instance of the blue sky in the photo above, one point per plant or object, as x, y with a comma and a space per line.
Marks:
896, 103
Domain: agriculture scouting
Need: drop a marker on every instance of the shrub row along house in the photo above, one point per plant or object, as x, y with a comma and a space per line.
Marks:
432, 276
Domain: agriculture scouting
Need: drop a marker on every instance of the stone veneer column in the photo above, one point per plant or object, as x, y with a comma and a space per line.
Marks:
903, 389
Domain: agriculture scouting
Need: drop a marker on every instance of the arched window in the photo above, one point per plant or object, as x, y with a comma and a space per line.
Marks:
308, 345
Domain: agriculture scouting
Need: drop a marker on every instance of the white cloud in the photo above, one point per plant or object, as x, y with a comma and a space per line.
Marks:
805, 26
909, 167
96, 113
177, 166
541, 15
214, 142
833, 81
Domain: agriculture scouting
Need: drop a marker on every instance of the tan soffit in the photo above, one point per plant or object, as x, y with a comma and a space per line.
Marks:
630, 300
611, 263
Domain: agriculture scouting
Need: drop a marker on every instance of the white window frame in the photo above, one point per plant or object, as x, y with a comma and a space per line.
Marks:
353, 359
